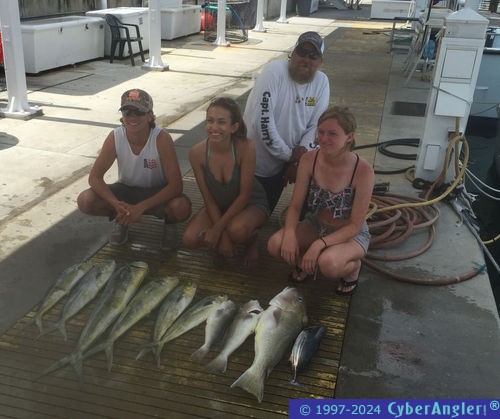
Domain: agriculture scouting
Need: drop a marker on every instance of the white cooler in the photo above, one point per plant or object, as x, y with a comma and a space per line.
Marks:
59, 41
134, 15
180, 21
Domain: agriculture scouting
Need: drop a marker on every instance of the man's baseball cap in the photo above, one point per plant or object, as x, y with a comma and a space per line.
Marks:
138, 99
314, 39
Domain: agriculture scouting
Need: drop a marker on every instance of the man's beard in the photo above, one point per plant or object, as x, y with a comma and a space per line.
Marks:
299, 74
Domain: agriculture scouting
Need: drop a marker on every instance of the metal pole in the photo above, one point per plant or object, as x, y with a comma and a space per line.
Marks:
221, 24
282, 18
259, 26
155, 63
15, 71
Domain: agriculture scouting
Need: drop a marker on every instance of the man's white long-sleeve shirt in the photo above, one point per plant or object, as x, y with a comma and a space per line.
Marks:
281, 114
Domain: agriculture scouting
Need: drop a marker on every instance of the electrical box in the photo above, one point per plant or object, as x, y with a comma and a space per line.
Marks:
453, 85
465, 23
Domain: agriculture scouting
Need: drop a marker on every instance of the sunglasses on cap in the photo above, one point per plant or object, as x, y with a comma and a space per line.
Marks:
303, 52
132, 112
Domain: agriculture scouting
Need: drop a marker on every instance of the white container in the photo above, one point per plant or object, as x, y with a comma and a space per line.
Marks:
389, 9
180, 21
169, 4
59, 41
133, 15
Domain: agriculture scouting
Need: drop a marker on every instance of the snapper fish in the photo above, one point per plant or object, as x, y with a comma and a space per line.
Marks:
277, 329
191, 318
242, 326
217, 322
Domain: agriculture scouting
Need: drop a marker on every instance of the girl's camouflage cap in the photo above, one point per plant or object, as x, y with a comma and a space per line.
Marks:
138, 99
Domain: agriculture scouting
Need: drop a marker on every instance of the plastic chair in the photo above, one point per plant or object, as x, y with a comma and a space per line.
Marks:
120, 35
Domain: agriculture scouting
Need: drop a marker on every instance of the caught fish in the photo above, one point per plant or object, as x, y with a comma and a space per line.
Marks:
242, 326
275, 333
145, 301
304, 348
217, 323
117, 293
63, 285
191, 318
171, 308
84, 292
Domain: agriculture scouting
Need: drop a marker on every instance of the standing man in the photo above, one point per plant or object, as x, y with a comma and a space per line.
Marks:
282, 111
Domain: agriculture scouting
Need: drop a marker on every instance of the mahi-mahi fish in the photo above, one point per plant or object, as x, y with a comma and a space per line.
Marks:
143, 303
242, 326
171, 308
85, 291
117, 293
275, 333
304, 348
217, 322
191, 318
62, 286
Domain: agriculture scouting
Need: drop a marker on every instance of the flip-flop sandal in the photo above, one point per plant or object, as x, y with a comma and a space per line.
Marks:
346, 284
296, 272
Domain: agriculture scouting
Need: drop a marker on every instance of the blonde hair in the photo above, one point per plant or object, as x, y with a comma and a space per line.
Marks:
344, 117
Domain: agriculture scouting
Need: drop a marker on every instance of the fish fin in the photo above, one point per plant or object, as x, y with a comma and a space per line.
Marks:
50, 329
251, 382
59, 364
218, 364
96, 349
61, 326
200, 353
77, 363
157, 348
36, 320
144, 349
109, 355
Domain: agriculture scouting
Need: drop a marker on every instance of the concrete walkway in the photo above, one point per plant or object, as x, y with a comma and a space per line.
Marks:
402, 340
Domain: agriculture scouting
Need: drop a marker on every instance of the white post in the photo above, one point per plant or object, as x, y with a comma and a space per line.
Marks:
102, 4
282, 18
221, 24
15, 76
155, 63
259, 26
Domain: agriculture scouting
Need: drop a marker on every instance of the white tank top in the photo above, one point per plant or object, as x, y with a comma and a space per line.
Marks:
143, 170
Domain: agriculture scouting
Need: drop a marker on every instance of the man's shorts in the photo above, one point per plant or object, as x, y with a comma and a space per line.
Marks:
134, 195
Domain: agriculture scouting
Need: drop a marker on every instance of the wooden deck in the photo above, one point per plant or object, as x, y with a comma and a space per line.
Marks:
180, 387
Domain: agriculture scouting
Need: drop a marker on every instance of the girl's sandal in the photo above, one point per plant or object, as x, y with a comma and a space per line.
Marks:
353, 285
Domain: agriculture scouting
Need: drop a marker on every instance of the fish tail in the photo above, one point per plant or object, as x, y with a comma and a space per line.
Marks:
61, 326
44, 332
37, 320
200, 353
96, 349
59, 364
109, 355
157, 348
144, 349
218, 364
77, 363
252, 382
